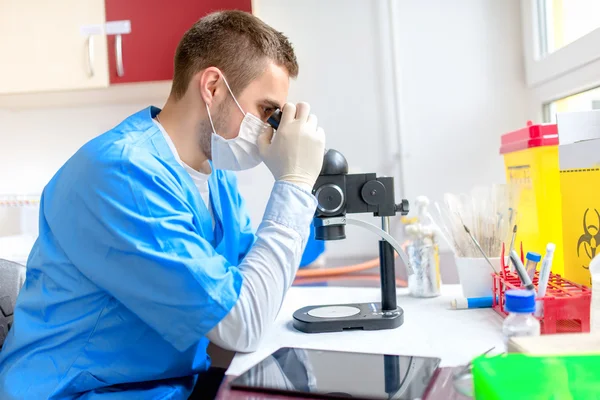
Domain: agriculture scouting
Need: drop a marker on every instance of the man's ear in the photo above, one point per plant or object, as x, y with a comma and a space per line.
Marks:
208, 81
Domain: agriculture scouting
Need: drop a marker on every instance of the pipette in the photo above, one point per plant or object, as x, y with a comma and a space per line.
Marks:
512, 240
544, 277
521, 271
480, 249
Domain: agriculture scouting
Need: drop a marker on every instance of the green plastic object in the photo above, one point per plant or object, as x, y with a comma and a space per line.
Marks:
519, 376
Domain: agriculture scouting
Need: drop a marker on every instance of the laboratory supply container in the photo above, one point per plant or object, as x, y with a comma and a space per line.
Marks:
531, 161
566, 305
526, 377
532, 261
579, 163
520, 321
426, 281
423, 252
475, 275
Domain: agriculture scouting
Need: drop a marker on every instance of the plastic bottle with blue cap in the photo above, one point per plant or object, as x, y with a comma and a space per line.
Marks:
520, 305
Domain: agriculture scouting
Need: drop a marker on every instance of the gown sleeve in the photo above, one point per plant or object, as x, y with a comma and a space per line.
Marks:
125, 224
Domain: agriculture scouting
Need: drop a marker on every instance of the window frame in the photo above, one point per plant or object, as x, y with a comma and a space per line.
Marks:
565, 60
569, 70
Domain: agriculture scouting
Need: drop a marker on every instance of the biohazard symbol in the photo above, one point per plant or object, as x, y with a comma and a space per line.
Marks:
590, 240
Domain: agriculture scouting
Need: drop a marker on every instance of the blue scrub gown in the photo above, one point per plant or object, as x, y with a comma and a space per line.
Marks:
127, 275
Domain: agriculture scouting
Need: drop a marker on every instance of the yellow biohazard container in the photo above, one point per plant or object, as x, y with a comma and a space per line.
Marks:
581, 218
579, 164
531, 160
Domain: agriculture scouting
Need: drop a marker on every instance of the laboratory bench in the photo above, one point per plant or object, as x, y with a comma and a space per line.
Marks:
431, 329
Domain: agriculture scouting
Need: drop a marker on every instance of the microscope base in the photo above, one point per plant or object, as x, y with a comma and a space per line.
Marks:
342, 317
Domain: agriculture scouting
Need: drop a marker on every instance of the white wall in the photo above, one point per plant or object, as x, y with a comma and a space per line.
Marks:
35, 143
461, 80
336, 44
460, 86
463, 85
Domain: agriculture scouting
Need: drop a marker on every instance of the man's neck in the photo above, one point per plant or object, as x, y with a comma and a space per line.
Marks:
184, 128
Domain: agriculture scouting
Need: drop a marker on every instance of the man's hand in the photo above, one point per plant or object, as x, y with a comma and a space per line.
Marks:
295, 154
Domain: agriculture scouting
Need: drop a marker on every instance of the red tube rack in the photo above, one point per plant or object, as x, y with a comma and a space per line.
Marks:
566, 304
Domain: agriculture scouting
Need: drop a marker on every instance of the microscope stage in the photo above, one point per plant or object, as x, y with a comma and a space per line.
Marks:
342, 317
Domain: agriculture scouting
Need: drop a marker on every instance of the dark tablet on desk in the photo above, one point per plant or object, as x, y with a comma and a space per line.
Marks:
340, 375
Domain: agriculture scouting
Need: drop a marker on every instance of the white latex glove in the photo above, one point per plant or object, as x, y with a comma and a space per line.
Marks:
295, 154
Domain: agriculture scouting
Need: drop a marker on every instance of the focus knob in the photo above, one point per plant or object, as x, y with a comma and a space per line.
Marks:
330, 199
402, 207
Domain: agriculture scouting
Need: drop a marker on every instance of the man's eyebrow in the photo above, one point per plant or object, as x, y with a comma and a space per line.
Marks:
271, 103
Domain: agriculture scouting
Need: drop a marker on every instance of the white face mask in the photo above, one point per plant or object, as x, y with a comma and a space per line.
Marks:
241, 152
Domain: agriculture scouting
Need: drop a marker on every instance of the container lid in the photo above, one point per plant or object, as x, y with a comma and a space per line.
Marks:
530, 136
520, 301
531, 256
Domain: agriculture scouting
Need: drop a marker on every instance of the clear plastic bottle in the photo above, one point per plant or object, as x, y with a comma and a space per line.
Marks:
423, 252
520, 321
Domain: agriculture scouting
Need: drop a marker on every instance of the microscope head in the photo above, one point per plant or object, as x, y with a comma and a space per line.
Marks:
334, 163
330, 193
339, 194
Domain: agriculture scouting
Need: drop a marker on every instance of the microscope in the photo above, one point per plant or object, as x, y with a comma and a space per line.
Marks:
338, 194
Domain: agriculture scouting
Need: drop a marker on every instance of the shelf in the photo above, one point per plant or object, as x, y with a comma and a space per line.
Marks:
155, 93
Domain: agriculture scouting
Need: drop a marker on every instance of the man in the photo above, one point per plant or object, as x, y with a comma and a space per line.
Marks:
146, 252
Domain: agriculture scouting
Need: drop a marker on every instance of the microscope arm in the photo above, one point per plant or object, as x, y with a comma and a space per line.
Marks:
374, 229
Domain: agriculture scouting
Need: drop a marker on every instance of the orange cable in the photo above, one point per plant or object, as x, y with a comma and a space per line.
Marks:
370, 277
347, 269
343, 270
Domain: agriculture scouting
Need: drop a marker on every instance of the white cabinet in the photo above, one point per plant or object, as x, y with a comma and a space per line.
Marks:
42, 47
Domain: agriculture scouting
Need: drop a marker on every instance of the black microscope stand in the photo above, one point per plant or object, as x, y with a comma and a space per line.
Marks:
368, 316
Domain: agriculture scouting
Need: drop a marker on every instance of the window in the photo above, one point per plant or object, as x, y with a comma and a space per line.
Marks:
559, 37
564, 21
584, 101
561, 43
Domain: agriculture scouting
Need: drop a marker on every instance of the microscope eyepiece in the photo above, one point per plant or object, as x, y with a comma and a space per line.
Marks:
275, 119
